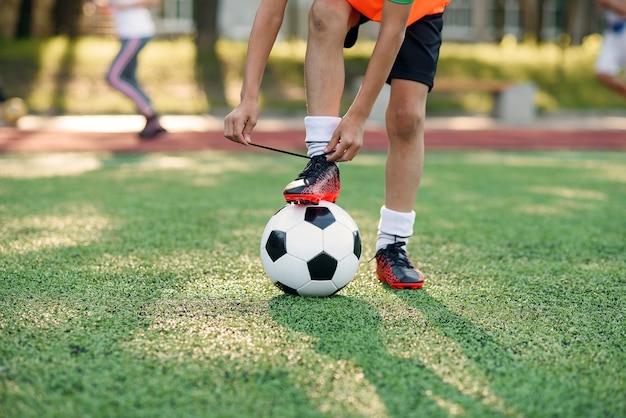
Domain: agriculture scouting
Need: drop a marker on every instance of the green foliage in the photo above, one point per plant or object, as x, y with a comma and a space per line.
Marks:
564, 76
59, 75
132, 286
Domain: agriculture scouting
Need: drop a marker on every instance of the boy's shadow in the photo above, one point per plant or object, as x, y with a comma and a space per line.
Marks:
348, 328
515, 384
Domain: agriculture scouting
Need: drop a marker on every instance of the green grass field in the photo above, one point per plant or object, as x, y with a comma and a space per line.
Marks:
132, 287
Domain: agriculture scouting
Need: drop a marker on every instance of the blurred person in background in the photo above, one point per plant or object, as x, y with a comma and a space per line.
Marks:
134, 28
611, 62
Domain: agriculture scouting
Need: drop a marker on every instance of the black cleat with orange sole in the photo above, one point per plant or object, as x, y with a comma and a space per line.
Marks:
394, 268
318, 181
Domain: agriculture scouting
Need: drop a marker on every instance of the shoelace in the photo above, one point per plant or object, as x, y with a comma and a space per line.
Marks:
314, 167
397, 254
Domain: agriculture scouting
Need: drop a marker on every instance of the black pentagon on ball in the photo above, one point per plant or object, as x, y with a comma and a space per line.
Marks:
276, 245
357, 243
319, 216
322, 267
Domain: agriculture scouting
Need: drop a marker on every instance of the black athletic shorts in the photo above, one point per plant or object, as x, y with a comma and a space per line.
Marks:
419, 53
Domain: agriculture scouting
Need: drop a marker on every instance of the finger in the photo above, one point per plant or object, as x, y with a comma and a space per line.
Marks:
234, 131
229, 132
337, 154
333, 144
247, 131
345, 156
333, 148
348, 155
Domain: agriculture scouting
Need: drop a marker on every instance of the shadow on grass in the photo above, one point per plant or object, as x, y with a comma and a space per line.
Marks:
350, 329
515, 386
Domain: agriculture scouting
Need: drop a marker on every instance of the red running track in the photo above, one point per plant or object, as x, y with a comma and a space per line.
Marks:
19, 141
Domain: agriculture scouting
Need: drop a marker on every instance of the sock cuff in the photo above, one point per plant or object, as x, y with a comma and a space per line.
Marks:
395, 223
320, 128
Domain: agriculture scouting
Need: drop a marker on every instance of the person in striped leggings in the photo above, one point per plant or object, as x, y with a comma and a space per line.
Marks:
135, 28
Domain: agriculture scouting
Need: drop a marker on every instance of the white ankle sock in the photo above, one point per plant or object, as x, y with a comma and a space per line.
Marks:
394, 227
319, 130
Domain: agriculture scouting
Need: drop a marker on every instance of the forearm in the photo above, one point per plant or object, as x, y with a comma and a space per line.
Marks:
267, 23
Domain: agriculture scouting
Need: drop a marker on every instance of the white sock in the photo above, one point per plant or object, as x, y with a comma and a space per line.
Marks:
319, 131
394, 227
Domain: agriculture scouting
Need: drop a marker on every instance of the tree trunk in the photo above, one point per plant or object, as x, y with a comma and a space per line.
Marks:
208, 70
24, 19
41, 23
499, 11
531, 15
9, 16
37, 18
67, 16
581, 20
206, 16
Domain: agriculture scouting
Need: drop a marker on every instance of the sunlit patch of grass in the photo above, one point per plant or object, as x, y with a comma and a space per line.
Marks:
214, 165
569, 192
543, 210
611, 172
370, 160
37, 233
536, 160
50, 165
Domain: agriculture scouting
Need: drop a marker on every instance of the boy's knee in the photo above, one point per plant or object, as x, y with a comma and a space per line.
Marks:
327, 16
405, 122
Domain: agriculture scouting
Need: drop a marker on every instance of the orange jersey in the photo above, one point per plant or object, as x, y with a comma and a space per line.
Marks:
373, 9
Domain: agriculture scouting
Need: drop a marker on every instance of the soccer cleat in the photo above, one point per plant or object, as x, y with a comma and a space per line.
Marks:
318, 181
394, 268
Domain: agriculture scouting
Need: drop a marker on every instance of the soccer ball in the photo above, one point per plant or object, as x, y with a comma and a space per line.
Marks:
13, 109
311, 250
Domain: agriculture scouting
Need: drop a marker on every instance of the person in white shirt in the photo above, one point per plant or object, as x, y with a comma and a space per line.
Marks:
611, 62
134, 27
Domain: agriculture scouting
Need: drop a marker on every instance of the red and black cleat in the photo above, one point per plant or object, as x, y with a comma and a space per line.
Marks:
318, 181
394, 268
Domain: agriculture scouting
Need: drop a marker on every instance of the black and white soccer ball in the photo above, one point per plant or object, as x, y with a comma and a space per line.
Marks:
311, 250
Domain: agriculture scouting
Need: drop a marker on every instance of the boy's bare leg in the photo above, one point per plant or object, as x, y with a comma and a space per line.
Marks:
403, 173
405, 127
329, 22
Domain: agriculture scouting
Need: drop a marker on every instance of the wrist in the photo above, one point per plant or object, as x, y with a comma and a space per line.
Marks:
358, 114
249, 98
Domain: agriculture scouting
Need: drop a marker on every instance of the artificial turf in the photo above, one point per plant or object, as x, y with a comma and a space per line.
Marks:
131, 285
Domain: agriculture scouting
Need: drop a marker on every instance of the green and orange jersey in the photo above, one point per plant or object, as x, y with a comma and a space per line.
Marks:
373, 9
